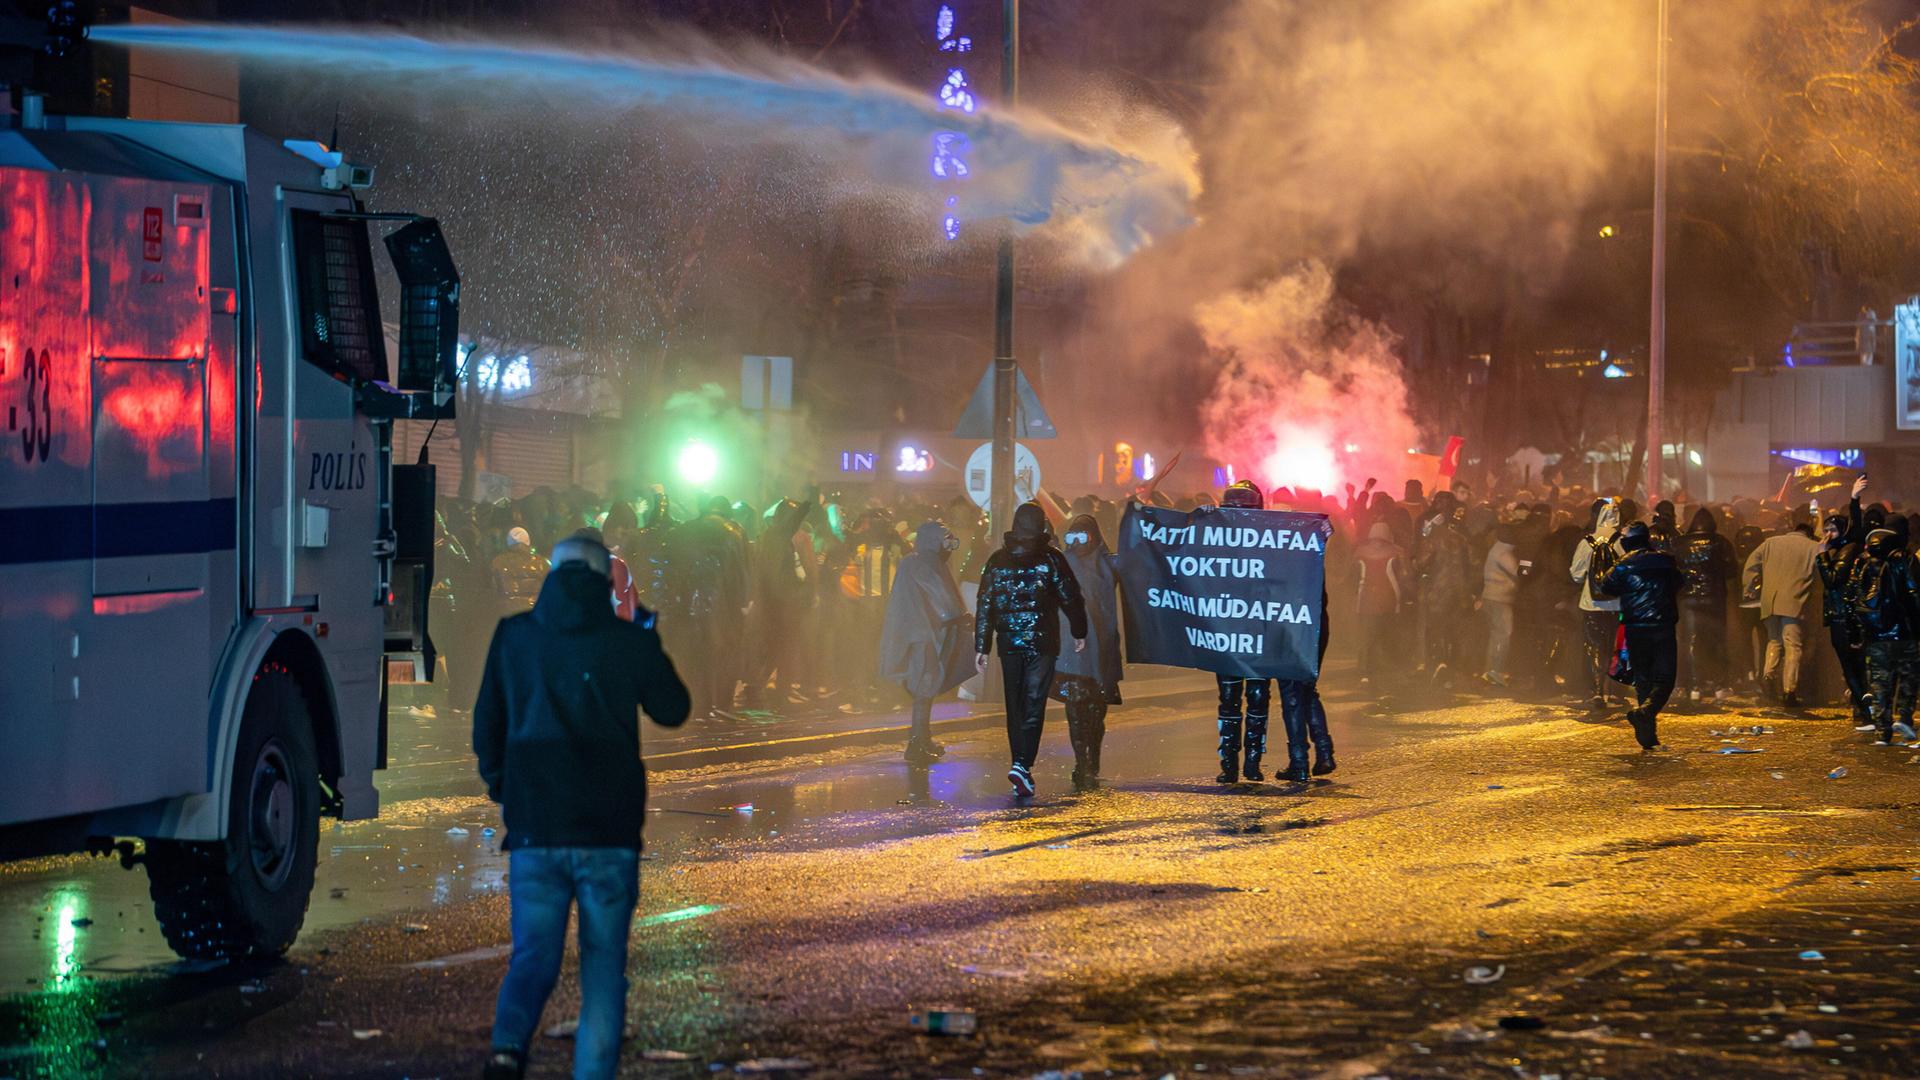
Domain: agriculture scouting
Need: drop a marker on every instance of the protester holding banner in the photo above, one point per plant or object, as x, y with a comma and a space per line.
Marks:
1242, 729
1305, 717
1238, 591
1088, 681
1026, 587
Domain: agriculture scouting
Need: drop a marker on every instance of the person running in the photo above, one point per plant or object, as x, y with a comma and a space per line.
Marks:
1025, 588
1088, 682
1647, 583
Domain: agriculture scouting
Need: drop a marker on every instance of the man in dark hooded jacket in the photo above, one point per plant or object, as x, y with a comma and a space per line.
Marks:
1088, 681
1706, 564
923, 645
1025, 588
556, 733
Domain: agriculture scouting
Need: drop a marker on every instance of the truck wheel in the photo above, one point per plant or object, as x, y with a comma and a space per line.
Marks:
246, 897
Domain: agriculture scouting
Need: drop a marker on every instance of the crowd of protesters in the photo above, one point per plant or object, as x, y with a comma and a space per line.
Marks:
580, 613
1447, 591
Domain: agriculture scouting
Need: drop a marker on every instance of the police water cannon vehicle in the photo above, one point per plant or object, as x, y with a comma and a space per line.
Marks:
210, 566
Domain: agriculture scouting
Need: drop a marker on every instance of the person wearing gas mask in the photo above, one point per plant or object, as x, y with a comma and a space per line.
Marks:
1024, 590
1088, 681
1244, 702
924, 640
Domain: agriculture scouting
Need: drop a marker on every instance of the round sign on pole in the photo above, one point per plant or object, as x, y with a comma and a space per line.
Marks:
1026, 474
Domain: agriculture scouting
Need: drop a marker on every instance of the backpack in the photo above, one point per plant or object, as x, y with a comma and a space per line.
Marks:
1603, 558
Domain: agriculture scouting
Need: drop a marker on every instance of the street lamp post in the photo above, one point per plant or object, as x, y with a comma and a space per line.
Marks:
1657, 343
1003, 364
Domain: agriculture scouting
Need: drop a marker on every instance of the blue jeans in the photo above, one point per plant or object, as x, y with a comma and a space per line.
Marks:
544, 883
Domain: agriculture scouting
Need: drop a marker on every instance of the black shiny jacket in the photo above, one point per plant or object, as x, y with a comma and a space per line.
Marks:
1835, 566
1885, 589
1026, 587
1706, 560
1647, 583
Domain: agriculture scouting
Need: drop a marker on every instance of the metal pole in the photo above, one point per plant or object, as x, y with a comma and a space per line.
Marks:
1003, 364
1657, 344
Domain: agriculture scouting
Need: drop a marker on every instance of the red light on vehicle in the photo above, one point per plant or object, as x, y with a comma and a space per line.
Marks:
142, 603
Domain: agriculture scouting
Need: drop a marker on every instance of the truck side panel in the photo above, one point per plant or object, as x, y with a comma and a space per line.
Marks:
119, 562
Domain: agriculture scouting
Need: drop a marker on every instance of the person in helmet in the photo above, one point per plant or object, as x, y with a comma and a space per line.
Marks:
517, 573
1886, 607
1244, 702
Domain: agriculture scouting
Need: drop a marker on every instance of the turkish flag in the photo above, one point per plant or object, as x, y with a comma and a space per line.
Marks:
1450, 457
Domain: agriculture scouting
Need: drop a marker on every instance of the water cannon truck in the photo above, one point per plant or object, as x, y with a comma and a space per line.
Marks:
210, 566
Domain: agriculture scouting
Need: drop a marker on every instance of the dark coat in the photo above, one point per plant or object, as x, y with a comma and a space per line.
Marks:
1706, 560
1026, 586
1446, 567
1647, 583
556, 728
923, 645
782, 577
1886, 590
1094, 569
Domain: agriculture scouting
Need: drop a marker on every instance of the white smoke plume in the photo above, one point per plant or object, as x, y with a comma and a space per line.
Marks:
1462, 141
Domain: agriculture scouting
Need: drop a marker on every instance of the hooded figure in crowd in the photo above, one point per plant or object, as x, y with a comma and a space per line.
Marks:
706, 603
1886, 607
1024, 590
782, 594
923, 645
1088, 681
1599, 550
1447, 580
1381, 590
1706, 565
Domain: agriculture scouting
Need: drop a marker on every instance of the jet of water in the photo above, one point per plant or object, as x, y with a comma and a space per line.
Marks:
1106, 199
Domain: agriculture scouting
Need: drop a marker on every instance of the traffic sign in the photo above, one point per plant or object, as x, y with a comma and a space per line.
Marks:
979, 474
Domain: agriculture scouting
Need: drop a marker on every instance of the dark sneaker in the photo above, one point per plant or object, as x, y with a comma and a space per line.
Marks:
1021, 780
505, 1065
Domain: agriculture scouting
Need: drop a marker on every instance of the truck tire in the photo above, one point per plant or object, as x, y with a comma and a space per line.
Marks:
245, 897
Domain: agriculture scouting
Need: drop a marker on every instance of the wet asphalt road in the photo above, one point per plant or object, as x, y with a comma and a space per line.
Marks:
1633, 915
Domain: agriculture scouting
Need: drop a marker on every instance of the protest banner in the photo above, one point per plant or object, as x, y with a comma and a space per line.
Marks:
1234, 592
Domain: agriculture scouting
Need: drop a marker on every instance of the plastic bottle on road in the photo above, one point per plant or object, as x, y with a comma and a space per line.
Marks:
943, 1021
